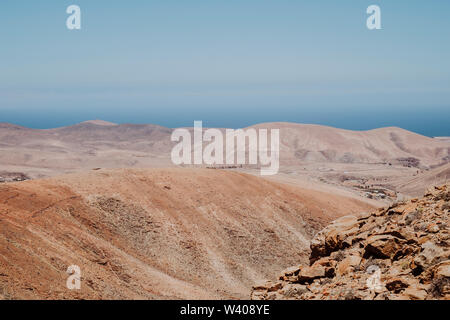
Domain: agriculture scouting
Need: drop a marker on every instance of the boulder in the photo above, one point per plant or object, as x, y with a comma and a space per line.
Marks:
290, 274
430, 254
383, 246
397, 284
348, 264
415, 294
442, 270
308, 274
293, 290
333, 237
267, 286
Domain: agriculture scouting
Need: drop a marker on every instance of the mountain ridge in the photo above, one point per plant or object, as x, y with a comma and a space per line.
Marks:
39, 152
99, 122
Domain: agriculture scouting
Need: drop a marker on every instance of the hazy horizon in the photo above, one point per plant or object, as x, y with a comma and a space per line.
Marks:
230, 64
207, 125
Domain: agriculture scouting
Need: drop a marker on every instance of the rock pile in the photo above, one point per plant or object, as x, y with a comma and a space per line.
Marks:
401, 252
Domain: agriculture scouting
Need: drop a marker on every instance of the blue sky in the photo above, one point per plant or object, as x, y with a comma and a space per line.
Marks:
229, 63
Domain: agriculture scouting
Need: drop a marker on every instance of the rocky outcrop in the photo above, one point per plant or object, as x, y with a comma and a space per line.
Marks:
396, 253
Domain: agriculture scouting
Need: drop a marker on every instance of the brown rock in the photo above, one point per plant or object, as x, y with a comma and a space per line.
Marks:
267, 286
430, 254
433, 228
406, 233
332, 237
274, 287
308, 274
442, 269
292, 290
290, 274
329, 265
382, 246
415, 294
274, 296
397, 284
258, 295
407, 247
348, 264
325, 262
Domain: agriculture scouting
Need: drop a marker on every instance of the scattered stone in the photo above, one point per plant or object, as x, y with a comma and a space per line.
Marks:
397, 253
433, 228
293, 290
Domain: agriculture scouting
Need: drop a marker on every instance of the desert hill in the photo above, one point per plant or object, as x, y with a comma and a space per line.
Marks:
87, 145
91, 144
326, 144
397, 253
155, 233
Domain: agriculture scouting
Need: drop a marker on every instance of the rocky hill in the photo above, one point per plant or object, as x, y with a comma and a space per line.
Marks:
400, 252
155, 233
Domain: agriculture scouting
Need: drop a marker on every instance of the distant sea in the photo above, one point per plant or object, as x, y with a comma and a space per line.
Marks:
429, 121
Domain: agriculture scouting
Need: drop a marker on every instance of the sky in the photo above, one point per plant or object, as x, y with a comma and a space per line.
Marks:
229, 63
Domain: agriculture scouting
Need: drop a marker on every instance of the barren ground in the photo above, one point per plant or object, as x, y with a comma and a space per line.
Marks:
157, 233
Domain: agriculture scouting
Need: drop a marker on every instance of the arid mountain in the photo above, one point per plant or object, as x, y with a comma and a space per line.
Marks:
87, 145
397, 253
155, 233
326, 144
91, 144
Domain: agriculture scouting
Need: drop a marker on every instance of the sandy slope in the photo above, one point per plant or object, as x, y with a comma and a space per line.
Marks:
159, 233
417, 185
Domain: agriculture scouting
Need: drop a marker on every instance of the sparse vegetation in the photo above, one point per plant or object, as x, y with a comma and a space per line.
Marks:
439, 286
446, 206
445, 196
339, 256
412, 216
